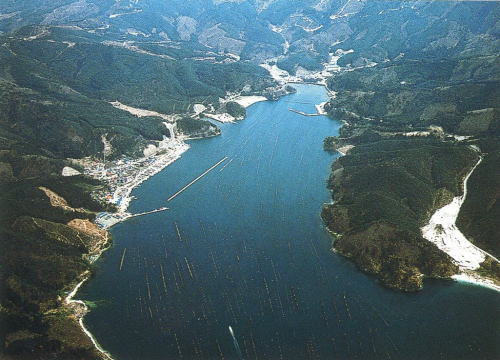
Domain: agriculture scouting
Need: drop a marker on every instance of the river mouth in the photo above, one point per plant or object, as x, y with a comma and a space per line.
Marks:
245, 247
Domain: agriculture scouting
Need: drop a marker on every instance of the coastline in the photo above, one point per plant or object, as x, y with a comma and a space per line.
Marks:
372, 288
473, 278
79, 309
131, 173
172, 149
160, 162
123, 192
129, 188
467, 273
242, 100
122, 197
443, 232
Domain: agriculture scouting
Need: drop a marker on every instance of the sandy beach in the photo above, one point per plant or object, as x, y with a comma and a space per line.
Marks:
148, 166
223, 118
444, 233
80, 309
473, 278
320, 108
242, 100
246, 101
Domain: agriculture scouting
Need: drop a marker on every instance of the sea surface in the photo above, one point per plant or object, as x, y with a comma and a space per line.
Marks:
245, 247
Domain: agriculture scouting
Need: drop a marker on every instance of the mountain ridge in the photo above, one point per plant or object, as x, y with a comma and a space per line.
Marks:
419, 87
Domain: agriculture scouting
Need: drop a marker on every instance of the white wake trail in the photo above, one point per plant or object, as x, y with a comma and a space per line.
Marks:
235, 342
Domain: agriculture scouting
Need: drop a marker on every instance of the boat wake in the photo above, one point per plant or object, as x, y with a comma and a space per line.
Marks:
236, 345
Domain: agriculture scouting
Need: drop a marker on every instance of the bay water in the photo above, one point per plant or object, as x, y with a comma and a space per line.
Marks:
245, 247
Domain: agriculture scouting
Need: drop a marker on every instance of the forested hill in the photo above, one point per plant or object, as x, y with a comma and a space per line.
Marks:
436, 65
57, 84
407, 68
166, 56
299, 33
420, 95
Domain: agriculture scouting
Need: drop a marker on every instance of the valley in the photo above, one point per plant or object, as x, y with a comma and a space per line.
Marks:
103, 100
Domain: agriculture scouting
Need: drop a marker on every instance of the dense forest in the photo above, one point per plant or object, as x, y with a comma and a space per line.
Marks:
384, 192
46, 244
418, 89
413, 123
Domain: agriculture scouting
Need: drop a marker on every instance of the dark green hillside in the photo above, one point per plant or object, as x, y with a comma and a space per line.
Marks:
407, 95
154, 81
236, 110
437, 29
480, 212
41, 256
441, 30
435, 66
55, 97
384, 192
46, 122
197, 128
303, 59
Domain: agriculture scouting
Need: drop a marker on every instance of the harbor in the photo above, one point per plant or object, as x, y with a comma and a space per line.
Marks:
303, 113
106, 220
244, 247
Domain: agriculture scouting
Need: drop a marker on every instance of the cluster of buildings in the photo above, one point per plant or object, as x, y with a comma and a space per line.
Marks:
116, 174
123, 175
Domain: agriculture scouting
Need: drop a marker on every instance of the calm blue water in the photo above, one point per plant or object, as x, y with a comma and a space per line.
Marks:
253, 254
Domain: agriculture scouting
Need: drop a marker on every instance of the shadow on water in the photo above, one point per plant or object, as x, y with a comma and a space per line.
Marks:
245, 247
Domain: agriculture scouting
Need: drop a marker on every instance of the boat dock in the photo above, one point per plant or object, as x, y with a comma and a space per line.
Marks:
198, 178
149, 212
303, 113
106, 220
299, 102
